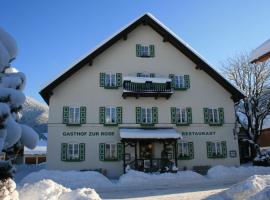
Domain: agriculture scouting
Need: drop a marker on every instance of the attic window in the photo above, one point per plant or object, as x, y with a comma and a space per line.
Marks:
145, 51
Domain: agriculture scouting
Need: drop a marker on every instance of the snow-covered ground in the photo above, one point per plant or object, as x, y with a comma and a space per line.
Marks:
138, 185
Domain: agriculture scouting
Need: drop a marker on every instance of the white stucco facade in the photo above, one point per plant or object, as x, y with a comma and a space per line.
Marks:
83, 89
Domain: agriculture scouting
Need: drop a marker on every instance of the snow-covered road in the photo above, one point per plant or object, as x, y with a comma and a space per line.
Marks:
161, 193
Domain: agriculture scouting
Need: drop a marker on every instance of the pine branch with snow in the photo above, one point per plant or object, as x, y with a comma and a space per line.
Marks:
12, 98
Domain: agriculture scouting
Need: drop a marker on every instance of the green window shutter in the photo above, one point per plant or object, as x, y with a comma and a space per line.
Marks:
152, 75
64, 151
119, 115
173, 115
82, 114
102, 79
65, 114
152, 50
187, 81
138, 50
206, 115
209, 149
221, 115
154, 115
82, 151
138, 115
101, 151
120, 149
189, 115
224, 149
171, 76
119, 79
101, 115
191, 150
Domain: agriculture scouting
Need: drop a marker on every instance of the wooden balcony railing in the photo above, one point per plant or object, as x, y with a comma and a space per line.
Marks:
147, 89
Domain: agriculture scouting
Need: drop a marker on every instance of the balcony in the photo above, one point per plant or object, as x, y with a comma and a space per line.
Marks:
146, 87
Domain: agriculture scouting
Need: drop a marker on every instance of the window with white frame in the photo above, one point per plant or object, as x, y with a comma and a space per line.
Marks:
213, 115
181, 115
73, 151
110, 115
179, 81
110, 151
146, 115
110, 80
216, 149
183, 149
144, 51
74, 115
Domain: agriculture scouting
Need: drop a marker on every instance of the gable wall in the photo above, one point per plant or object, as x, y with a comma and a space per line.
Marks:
83, 87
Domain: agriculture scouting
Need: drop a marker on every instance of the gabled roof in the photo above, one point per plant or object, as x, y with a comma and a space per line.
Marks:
261, 53
168, 36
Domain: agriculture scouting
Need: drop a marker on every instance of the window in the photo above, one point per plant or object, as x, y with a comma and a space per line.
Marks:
181, 115
145, 50
214, 116
110, 115
185, 150
74, 115
146, 115
73, 151
110, 152
179, 81
110, 80
216, 149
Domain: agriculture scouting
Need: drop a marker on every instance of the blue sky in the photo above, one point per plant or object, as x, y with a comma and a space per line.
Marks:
52, 34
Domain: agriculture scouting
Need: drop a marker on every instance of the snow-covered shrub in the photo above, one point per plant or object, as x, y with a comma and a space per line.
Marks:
263, 159
8, 190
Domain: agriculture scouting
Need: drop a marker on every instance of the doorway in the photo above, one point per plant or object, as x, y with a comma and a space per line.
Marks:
146, 150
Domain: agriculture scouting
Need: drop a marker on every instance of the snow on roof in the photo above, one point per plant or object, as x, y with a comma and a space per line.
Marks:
145, 79
125, 27
41, 148
260, 51
150, 133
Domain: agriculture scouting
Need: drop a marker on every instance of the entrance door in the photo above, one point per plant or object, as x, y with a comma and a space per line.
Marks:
146, 150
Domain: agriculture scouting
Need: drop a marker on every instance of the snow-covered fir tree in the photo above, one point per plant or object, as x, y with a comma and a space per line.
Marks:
12, 83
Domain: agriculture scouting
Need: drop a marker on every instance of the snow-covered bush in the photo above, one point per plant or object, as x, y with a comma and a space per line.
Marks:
262, 159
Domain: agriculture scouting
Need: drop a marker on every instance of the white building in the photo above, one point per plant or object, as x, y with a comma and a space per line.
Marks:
142, 96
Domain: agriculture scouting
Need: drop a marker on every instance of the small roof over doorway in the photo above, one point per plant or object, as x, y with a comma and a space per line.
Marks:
146, 133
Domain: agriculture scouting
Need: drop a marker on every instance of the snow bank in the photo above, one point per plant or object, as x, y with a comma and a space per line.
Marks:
48, 189
132, 178
254, 188
235, 173
70, 179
